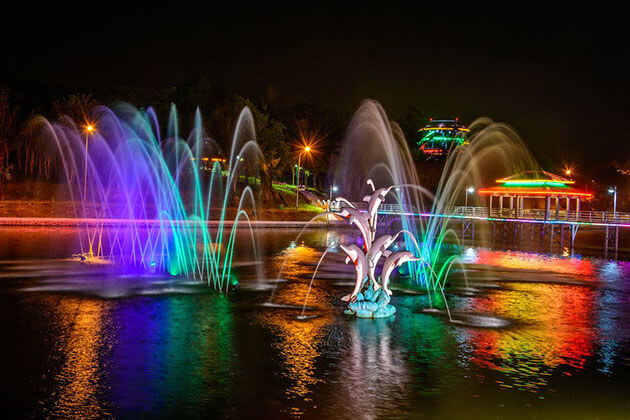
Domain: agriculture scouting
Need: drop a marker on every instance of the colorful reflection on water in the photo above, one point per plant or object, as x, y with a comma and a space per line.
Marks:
188, 352
78, 381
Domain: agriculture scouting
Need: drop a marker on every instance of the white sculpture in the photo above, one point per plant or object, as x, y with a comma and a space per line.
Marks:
373, 301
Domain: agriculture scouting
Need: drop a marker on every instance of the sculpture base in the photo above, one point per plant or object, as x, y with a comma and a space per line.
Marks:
371, 304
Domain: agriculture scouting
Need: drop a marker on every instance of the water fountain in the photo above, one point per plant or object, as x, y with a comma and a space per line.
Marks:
153, 203
375, 150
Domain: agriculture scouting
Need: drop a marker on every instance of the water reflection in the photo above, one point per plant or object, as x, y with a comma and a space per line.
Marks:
79, 381
298, 341
579, 267
558, 327
200, 354
373, 373
169, 352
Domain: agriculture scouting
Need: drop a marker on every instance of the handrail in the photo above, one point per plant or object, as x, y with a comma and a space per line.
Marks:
587, 216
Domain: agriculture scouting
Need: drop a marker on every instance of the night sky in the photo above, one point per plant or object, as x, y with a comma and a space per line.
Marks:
559, 76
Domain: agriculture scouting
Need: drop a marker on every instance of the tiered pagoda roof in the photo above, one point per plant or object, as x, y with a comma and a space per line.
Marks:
440, 136
535, 184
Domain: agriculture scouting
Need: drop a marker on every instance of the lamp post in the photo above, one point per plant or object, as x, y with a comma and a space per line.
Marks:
613, 190
297, 189
469, 190
89, 129
330, 191
333, 188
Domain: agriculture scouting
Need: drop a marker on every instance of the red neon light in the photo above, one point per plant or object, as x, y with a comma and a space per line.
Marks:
536, 192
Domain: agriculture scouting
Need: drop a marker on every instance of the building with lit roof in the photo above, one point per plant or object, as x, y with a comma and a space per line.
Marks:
440, 137
509, 197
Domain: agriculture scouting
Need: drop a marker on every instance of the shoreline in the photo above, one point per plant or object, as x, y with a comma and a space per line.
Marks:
90, 222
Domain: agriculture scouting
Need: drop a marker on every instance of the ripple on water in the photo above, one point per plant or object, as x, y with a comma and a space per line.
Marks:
470, 319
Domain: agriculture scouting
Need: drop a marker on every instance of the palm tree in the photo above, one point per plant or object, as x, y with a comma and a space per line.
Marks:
307, 173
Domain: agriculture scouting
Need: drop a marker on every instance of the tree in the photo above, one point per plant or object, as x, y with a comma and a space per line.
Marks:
76, 106
270, 135
311, 127
410, 123
5, 175
8, 128
307, 173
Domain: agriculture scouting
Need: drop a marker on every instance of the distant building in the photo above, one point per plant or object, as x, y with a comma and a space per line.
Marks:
554, 191
440, 137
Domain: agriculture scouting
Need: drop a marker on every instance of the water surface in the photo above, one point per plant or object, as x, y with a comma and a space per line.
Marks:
86, 341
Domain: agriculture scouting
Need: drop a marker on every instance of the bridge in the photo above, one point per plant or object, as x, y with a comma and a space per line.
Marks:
559, 226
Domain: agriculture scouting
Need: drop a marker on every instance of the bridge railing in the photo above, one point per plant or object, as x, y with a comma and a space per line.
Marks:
397, 208
470, 211
539, 214
505, 213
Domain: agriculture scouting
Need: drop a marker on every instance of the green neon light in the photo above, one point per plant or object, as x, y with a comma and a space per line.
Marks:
534, 183
444, 138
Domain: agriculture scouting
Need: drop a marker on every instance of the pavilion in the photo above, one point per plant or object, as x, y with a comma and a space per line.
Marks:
439, 137
536, 188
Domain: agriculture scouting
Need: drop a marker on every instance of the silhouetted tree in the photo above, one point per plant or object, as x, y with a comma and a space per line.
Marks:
410, 123
76, 106
270, 135
8, 125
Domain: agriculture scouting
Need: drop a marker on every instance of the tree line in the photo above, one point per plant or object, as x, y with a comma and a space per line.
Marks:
282, 130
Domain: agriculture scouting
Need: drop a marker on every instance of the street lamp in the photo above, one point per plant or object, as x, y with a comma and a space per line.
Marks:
307, 149
613, 190
89, 129
469, 190
332, 189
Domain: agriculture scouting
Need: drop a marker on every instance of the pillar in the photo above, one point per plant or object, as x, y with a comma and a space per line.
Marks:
577, 207
547, 207
557, 207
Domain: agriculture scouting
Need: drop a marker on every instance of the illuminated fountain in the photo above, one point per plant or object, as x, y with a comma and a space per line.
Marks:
376, 149
152, 203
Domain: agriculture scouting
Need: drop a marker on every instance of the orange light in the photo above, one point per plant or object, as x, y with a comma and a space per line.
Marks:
307, 149
446, 128
90, 128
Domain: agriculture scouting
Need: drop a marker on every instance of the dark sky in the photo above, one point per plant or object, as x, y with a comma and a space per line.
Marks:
558, 75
